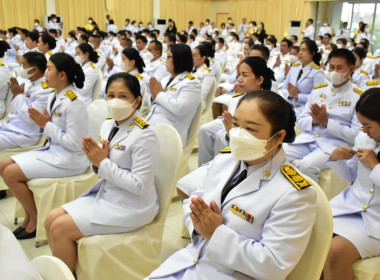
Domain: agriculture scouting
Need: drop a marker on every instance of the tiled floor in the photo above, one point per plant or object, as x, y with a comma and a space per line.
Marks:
172, 240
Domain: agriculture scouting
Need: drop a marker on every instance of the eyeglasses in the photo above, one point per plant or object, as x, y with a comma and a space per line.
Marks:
169, 56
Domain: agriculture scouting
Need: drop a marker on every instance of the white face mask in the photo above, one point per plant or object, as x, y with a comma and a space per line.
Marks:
269, 47
119, 109
318, 42
250, 25
326, 53
165, 47
213, 36
229, 21
149, 56
339, 46
348, 44
245, 146
125, 67
216, 47
292, 58
79, 59
259, 26
18, 37
23, 73
149, 26
337, 78
325, 24
55, 20
89, 21
36, 24
367, 30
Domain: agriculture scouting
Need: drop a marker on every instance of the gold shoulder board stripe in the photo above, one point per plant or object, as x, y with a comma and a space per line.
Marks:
141, 123
296, 64
44, 85
190, 76
373, 83
315, 66
320, 86
108, 117
364, 72
294, 177
52, 89
138, 75
357, 90
225, 150
237, 94
92, 65
207, 69
70, 94
2, 63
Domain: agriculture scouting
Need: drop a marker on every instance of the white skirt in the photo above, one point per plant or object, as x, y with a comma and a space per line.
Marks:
352, 228
79, 210
35, 168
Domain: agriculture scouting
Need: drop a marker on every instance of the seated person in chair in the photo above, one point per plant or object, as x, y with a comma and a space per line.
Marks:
126, 198
247, 219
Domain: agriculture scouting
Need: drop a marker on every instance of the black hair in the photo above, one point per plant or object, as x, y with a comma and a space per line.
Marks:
36, 59
182, 58
122, 33
260, 68
111, 21
171, 37
66, 63
365, 40
343, 40
47, 39
157, 45
272, 40
12, 30
84, 37
368, 104
297, 48
221, 40
311, 20
343, 53
86, 48
328, 35
263, 49
130, 81
24, 31
288, 42
233, 34
142, 38
133, 54
295, 37
53, 31
362, 27
276, 110
194, 31
3, 48
33, 35
360, 52
314, 51
203, 52
72, 34
210, 49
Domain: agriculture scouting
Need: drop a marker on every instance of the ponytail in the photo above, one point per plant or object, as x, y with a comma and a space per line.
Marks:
66, 63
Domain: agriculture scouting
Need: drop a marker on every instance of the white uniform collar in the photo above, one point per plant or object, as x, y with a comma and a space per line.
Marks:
307, 66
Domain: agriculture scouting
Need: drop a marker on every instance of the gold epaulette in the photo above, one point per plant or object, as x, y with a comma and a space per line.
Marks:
138, 75
320, 86
108, 117
373, 56
364, 72
52, 89
315, 66
294, 177
44, 85
207, 69
2, 63
163, 59
70, 94
99, 52
358, 90
237, 94
212, 61
373, 83
141, 123
50, 53
225, 150
190, 76
92, 65
296, 64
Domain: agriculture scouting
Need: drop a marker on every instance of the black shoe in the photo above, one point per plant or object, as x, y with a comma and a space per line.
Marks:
3, 194
18, 230
26, 235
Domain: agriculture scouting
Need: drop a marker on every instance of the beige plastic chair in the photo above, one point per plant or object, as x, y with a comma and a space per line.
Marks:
207, 113
312, 261
11, 152
98, 86
52, 268
192, 137
97, 112
50, 193
331, 183
134, 255
367, 269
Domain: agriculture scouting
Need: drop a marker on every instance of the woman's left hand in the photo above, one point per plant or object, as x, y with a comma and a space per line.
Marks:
368, 157
228, 122
94, 153
155, 87
40, 119
205, 218
293, 91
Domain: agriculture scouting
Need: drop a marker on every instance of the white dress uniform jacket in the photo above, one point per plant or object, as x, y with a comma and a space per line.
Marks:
363, 196
5, 75
177, 103
360, 77
268, 246
91, 73
342, 126
309, 32
69, 123
127, 196
20, 127
207, 80
70, 48
157, 69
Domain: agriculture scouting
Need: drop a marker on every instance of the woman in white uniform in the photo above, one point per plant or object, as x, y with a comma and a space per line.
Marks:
360, 77
126, 198
87, 58
71, 44
356, 210
5, 75
64, 122
247, 220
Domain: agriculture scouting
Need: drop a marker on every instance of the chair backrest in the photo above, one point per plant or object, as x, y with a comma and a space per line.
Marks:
97, 113
143, 94
166, 172
219, 74
311, 264
98, 86
210, 97
192, 134
51, 268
